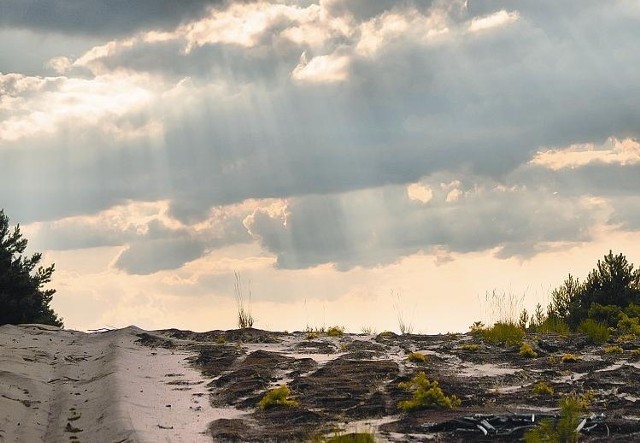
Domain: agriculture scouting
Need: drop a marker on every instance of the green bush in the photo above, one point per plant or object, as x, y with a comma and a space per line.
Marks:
355, 437
542, 388
470, 347
554, 325
597, 332
613, 350
335, 331
279, 396
628, 325
504, 333
417, 357
564, 429
527, 351
426, 394
569, 358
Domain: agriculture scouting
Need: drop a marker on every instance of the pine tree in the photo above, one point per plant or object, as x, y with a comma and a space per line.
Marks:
22, 296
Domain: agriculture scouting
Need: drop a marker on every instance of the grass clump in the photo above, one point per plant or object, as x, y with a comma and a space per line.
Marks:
280, 396
503, 333
245, 318
569, 358
470, 347
354, 437
613, 350
562, 430
635, 353
596, 331
527, 351
426, 394
335, 331
542, 388
417, 357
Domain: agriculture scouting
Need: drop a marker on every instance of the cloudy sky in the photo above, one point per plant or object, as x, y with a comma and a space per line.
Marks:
352, 160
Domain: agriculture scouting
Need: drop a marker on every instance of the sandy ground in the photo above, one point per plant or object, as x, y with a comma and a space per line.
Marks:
64, 386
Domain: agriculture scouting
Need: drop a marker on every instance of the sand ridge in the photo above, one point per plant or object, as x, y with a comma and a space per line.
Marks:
63, 386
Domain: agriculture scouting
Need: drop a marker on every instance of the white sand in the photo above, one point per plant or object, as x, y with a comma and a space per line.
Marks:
56, 384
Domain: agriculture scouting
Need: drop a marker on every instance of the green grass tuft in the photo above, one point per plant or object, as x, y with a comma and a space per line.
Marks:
417, 357
503, 333
527, 351
426, 394
335, 331
542, 388
279, 396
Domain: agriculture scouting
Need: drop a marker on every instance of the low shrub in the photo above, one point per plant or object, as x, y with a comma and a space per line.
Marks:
569, 358
335, 331
426, 394
613, 350
279, 396
597, 332
628, 325
503, 333
527, 351
476, 328
635, 353
354, 437
470, 347
554, 325
417, 357
565, 429
542, 388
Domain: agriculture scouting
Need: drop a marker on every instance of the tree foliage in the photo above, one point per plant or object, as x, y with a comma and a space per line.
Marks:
23, 298
610, 287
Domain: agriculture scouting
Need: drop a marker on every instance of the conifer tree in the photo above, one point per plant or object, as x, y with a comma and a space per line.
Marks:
23, 298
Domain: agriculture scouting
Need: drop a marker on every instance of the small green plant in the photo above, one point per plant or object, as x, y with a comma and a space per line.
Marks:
565, 429
527, 351
476, 328
368, 330
503, 333
569, 358
613, 350
220, 339
597, 332
470, 347
542, 388
426, 394
354, 437
279, 396
417, 357
312, 335
335, 331
635, 353
552, 359
553, 325
338, 437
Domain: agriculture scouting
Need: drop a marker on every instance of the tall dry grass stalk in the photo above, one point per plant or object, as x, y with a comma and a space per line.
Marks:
245, 318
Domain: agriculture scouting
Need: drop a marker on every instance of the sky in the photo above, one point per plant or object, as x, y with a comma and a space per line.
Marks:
354, 162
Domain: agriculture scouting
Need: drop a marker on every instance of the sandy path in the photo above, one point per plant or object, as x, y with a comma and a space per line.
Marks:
65, 386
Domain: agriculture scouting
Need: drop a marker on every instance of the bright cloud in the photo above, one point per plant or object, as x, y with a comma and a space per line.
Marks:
622, 152
500, 18
42, 104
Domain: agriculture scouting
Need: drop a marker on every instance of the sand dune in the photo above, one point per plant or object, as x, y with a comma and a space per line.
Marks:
129, 385
59, 385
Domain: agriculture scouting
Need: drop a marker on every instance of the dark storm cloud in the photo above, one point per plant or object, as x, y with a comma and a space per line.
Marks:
378, 226
99, 17
237, 125
156, 255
